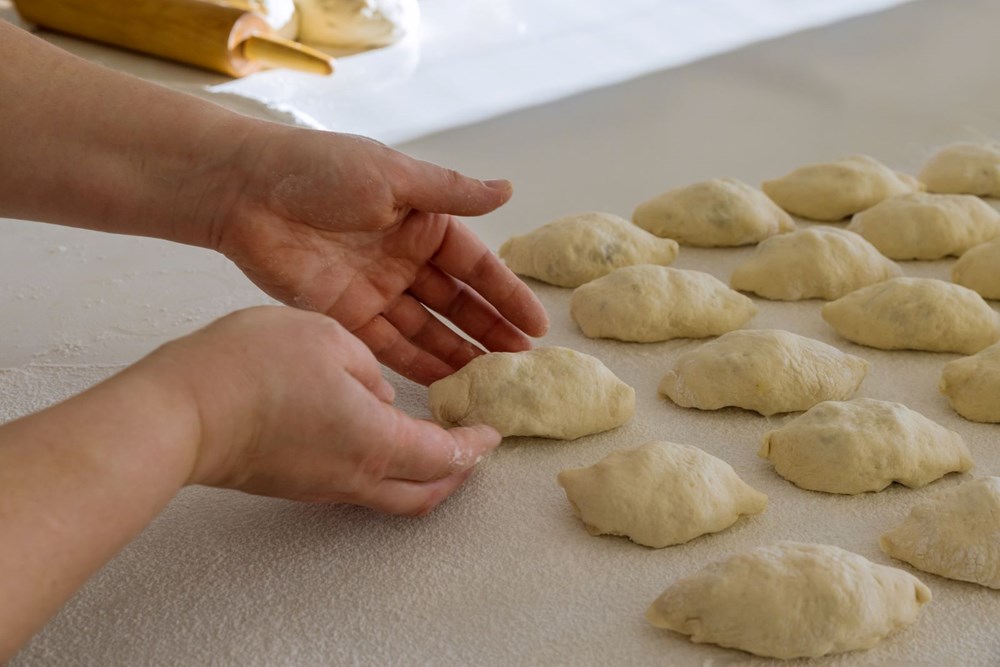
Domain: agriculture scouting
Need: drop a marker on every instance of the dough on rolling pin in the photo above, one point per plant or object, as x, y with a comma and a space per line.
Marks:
814, 263
953, 534
659, 494
791, 600
281, 15
356, 24
764, 370
863, 445
551, 392
574, 250
972, 385
720, 212
927, 226
915, 314
835, 190
648, 303
979, 269
964, 168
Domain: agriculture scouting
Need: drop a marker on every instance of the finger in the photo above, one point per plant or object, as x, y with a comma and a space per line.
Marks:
469, 311
429, 334
424, 451
393, 349
465, 257
362, 364
396, 496
428, 187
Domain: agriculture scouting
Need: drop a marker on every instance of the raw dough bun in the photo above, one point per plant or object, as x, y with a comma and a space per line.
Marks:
574, 250
979, 269
954, 534
925, 226
964, 168
552, 392
814, 263
915, 314
659, 494
721, 212
647, 303
765, 370
972, 385
835, 190
356, 23
863, 445
791, 600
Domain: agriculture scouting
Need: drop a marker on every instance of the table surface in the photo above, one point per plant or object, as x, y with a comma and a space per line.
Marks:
503, 573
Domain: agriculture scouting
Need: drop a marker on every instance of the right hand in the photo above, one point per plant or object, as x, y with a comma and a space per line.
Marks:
292, 405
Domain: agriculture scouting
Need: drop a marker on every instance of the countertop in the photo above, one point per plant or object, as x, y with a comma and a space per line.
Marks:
502, 573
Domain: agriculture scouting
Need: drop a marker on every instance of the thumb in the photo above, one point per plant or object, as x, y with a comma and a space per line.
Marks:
433, 189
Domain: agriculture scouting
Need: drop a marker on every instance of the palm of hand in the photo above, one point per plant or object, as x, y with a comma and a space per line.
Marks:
378, 266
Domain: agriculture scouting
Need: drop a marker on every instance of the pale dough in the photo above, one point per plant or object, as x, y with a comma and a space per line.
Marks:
964, 168
281, 15
979, 270
863, 445
835, 190
765, 370
814, 263
791, 600
915, 314
720, 212
927, 226
552, 392
356, 23
647, 303
574, 250
954, 534
659, 494
972, 385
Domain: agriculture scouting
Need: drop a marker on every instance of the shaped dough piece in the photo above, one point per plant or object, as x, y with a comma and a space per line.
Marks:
863, 445
972, 385
979, 270
925, 226
721, 212
915, 314
955, 534
576, 249
791, 600
552, 392
835, 190
765, 370
964, 168
659, 494
815, 263
648, 303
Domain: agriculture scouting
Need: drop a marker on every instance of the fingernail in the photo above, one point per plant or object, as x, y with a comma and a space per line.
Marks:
501, 184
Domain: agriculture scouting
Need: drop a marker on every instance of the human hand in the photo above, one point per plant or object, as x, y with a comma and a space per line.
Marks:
292, 405
348, 227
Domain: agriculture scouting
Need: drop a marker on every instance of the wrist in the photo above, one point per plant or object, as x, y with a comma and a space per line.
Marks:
215, 400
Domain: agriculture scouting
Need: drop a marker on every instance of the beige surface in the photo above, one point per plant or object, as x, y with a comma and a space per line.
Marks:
503, 573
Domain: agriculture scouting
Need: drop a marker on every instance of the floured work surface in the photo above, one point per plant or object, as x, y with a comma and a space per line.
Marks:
503, 573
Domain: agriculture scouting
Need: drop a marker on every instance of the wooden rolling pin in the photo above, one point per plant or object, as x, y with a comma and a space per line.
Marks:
211, 35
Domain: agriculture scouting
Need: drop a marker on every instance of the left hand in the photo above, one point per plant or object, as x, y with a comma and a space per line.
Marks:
349, 227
